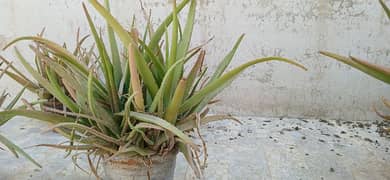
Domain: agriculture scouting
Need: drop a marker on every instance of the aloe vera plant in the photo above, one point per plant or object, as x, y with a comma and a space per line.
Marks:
139, 102
16, 150
376, 71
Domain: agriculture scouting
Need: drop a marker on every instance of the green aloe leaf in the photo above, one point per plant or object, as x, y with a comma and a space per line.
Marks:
24, 82
226, 61
126, 39
16, 149
88, 130
225, 79
106, 65
182, 47
154, 42
191, 124
97, 110
174, 37
15, 99
194, 72
55, 48
49, 87
58, 50
174, 105
163, 87
43, 116
373, 70
385, 7
116, 63
164, 124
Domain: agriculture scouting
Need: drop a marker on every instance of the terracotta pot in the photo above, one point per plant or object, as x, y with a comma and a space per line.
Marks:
136, 168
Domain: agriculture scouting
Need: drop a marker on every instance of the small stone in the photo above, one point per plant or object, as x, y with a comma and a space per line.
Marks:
331, 170
321, 140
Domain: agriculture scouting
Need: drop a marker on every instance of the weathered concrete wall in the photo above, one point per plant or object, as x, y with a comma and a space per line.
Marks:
296, 29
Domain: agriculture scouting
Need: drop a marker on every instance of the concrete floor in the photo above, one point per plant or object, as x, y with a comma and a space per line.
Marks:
262, 148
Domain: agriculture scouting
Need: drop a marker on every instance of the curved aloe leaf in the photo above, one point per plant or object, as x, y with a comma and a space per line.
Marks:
225, 80
191, 124
55, 48
373, 70
163, 87
60, 51
45, 83
43, 116
226, 61
164, 124
88, 130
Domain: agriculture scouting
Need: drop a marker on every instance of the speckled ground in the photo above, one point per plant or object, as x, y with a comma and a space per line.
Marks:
262, 148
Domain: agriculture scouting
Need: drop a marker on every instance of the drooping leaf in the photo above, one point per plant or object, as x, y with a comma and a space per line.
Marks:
373, 70
43, 116
164, 124
45, 83
226, 79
